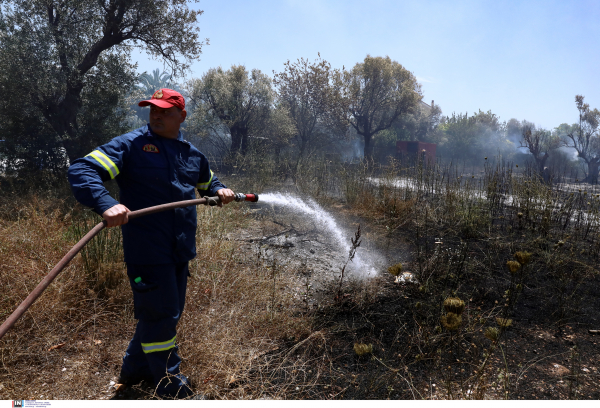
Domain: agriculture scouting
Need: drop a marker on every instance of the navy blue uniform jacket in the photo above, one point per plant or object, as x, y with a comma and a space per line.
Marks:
150, 170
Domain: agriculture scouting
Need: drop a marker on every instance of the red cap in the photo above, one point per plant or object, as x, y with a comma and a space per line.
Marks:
165, 98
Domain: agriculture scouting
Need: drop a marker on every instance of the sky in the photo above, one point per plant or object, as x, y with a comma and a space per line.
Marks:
519, 59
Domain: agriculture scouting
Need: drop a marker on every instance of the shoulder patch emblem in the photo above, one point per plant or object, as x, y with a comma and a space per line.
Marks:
150, 148
158, 94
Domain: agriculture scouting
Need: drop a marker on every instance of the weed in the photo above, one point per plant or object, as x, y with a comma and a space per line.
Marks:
103, 256
351, 253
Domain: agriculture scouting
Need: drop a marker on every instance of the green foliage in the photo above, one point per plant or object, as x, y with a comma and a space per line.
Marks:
473, 137
420, 125
585, 138
377, 92
151, 83
540, 143
384, 144
231, 105
310, 94
65, 70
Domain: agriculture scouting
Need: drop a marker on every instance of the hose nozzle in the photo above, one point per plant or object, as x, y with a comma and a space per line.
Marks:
246, 197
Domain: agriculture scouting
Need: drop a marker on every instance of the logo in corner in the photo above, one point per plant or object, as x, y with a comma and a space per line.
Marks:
18, 403
150, 148
158, 94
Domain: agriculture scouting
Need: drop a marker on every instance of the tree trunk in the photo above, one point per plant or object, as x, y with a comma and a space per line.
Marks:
592, 177
542, 170
236, 140
63, 116
244, 141
300, 158
368, 152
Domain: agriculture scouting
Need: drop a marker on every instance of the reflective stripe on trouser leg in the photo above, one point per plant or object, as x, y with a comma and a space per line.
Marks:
159, 298
160, 346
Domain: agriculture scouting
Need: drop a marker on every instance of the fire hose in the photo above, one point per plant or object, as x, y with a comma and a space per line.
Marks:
36, 293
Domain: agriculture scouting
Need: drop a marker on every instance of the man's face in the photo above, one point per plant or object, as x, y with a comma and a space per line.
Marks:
166, 122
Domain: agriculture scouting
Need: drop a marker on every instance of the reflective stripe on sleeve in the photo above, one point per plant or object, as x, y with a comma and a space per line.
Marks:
204, 186
107, 163
152, 347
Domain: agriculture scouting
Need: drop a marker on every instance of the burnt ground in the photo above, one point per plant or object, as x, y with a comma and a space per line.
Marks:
547, 352
294, 241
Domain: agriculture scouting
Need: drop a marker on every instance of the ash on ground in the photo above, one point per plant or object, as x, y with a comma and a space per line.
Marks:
298, 243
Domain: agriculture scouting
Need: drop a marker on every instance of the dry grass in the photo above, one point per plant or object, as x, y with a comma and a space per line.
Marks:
237, 310
247, 334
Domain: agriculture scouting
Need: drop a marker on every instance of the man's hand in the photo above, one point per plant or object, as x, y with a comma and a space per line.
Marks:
226, 195
115, 216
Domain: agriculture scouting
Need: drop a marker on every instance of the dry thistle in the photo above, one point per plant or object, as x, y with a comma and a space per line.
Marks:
361, 349
503, 322
451, 321
396, 269
522, 257
492, 333
513, 266
454, 305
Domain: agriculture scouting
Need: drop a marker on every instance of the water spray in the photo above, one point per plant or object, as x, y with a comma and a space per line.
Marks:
362, 265
36, 293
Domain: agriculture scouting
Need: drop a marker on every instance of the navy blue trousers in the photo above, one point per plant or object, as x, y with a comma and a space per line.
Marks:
158, 298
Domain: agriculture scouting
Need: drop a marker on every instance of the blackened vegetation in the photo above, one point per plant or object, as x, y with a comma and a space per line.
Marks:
521, 255
351, 253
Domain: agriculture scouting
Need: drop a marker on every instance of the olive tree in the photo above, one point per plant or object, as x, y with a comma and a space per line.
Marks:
585, 140
68, 61
378, 91
314, 102
234, 103
471, 138
419, 125
540, 143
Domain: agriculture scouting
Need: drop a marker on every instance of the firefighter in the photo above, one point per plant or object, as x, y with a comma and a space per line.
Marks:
152, 165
